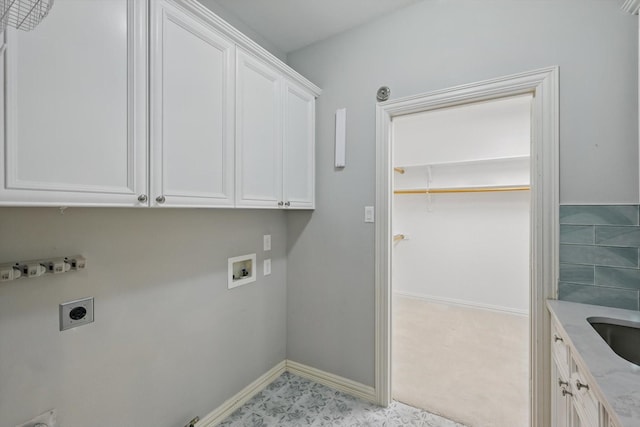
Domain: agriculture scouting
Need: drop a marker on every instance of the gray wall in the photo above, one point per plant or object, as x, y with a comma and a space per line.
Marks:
169, 340
428, 46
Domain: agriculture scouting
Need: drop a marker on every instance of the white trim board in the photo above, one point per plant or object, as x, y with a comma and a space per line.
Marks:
462, 303
332, 381
230, 405
545, 124
325, 378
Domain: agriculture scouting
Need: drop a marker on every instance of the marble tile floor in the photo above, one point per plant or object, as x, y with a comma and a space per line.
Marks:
294, 401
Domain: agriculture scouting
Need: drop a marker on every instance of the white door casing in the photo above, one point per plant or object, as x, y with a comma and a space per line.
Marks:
544, 85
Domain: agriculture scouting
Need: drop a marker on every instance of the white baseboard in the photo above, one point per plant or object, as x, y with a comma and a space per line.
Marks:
227, 408
462, 303
330, 380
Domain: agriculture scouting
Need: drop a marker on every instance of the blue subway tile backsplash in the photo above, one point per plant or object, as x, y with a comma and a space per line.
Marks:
611, 297
618, 236
583, 274
599, 215
617, 277
578, 234
599, 255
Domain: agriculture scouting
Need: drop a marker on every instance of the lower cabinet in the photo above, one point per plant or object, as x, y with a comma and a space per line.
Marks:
573, 401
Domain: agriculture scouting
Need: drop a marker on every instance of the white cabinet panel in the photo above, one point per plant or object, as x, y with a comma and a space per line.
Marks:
299, 147
75, 99
560, 400
192, 107
258, 134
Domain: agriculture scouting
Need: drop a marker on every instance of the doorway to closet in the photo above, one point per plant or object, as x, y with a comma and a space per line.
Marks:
543, 84
460, 261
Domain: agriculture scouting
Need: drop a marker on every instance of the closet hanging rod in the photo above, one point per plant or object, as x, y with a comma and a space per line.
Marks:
462, 190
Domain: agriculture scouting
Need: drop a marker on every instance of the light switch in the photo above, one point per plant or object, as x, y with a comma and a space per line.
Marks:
266, 242
368, 214
267, 267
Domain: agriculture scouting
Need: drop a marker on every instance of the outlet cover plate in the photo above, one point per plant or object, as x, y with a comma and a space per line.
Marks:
48, 418
76, 313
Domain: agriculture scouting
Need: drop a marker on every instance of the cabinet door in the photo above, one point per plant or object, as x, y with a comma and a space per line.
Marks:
560, 403
192, 106
74, 107
258, 134
298, 148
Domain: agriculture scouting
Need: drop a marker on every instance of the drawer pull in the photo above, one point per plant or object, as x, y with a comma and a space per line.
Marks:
580, 386
562, 383
566, 392
557, 338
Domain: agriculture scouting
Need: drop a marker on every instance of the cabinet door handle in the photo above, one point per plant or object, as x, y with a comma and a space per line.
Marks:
566, 392
580, 386
280, 203
288, 204
160, 199
562, 383
142, 198
557, 338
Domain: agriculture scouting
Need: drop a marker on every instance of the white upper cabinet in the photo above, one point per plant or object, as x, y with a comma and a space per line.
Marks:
299, 147
74, 107
258, 134
275, 138
151, 103
192, 111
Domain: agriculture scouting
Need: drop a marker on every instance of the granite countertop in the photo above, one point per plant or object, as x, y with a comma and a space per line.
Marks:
618, 381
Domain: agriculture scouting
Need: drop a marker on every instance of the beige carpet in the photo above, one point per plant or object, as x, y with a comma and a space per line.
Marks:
469, 365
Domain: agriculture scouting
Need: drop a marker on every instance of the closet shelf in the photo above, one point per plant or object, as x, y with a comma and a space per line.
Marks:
478, 189
402, 168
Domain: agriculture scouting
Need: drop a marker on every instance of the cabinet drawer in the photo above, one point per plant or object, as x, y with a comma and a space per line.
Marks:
585, 401
560, 351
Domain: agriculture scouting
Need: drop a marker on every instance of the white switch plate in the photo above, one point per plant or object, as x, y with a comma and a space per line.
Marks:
48, 418
266, 242
368, 214
267, 267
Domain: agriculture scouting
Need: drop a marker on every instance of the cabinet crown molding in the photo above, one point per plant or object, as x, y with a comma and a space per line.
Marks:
246, 43
631, 6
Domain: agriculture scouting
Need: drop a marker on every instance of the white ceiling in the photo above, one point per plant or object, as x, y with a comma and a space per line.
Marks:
292, 24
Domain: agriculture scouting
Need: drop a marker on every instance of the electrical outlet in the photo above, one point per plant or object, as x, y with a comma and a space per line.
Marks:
76, 313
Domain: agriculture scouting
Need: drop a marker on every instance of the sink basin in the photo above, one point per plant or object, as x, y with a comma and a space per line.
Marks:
621, 335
